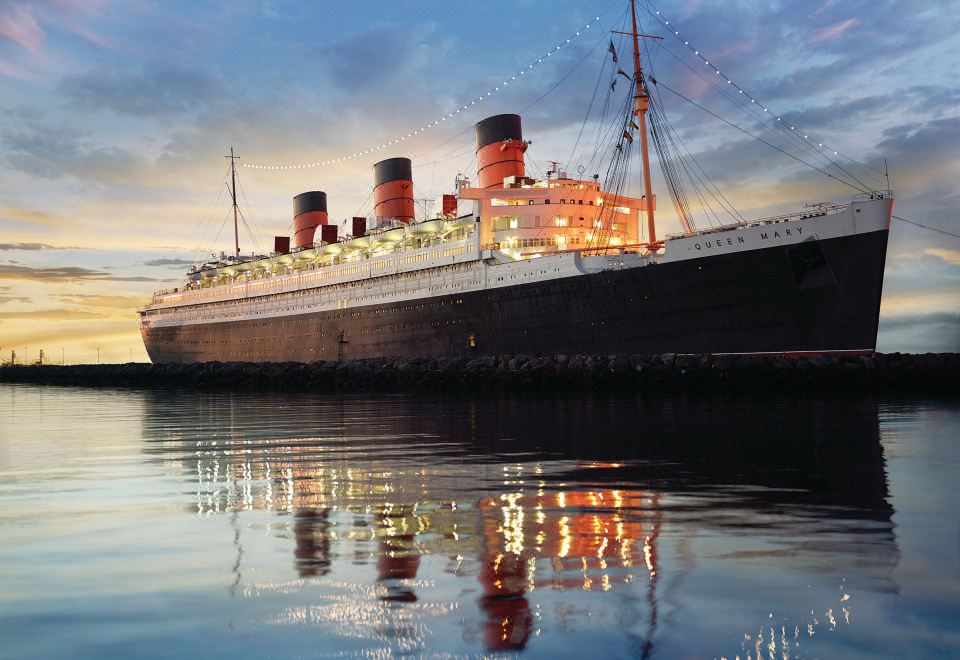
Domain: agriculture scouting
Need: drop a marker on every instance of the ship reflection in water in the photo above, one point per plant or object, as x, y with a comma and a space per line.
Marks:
629, 526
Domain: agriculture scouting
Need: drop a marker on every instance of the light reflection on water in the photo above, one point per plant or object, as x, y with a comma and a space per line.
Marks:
159, 523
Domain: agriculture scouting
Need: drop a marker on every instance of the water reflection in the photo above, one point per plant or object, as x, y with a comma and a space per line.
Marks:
511, 503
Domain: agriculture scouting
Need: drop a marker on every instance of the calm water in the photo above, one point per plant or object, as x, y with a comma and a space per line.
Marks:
157, 524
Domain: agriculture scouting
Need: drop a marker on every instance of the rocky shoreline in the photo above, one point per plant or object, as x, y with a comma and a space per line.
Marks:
894, 371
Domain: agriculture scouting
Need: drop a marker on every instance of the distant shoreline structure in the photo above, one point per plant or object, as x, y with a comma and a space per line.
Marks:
893, 372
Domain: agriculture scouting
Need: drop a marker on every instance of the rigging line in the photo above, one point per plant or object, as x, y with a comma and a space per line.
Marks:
253, 220
208, 219
879, 179
772, 146
658, 17
536, 167
786, 132
736, 102
603, 123
219, 231
423, 154
704, 204
443, 118
586, 117
727, 205
593, 98
467, 149
565, 76
253, 238
460, 150
605, 110
363, 205
344, 182
606, 130
917, 224
618, 170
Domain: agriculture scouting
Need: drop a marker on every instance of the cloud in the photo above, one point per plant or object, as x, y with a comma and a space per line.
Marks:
31, 216
921, 154
937, 332
832, 31
53, 153
19, 25
168, 262
353, 65
33, 247
96, 300
919, 301
19, 299
25, 246
950, 256
50, 315
65, 274
158, 90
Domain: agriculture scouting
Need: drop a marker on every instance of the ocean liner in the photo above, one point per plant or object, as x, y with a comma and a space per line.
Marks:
515, 264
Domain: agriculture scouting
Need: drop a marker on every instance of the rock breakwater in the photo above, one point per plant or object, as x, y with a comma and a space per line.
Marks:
892, 371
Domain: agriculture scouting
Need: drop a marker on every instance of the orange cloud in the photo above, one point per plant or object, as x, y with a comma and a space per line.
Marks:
939, 299
950, 256
128, 303
50, 315
30, 216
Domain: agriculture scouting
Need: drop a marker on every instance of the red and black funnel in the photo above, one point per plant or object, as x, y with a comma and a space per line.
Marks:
309, 212
393, 194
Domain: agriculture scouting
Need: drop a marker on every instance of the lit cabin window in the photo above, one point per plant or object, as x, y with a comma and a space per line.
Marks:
561, 222
498, 202
621, 209
514, 223
530, 202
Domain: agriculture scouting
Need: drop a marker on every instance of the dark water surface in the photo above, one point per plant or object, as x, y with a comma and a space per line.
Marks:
159, 524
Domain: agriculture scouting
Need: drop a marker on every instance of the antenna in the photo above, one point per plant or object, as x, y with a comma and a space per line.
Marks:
233, 194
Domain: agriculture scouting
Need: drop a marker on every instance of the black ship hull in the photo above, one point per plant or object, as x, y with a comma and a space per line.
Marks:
816, 296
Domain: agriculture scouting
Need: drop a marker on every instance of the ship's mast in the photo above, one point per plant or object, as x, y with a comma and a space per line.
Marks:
233, 194
640, 104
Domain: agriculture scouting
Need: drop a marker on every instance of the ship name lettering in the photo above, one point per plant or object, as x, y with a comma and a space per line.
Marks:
776, 234
718, 243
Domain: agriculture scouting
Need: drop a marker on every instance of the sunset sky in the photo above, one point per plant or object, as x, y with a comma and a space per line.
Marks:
115, 117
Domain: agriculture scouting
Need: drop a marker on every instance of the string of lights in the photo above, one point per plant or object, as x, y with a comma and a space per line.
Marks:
426, 127
653, 11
